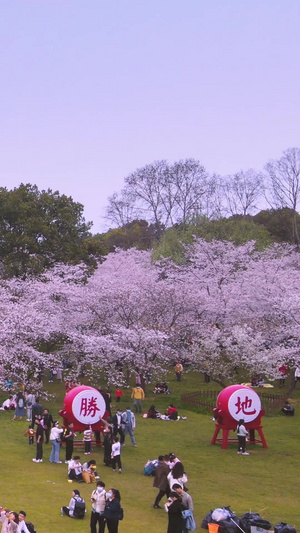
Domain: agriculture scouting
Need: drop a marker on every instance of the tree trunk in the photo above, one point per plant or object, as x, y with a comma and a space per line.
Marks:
143, 384
295, 227
292, 383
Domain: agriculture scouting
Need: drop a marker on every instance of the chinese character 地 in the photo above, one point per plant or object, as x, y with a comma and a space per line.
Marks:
244, 406
89, 407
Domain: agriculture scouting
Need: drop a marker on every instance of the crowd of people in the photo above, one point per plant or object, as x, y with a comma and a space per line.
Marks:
106, 510
13, 522
170, 480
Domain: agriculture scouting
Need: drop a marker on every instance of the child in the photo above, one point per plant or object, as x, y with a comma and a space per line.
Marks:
30, 432
242, 434
118, 394
116, 455
87, 439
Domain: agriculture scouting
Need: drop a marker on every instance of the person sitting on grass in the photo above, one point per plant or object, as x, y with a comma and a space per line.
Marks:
24, 527
72, 510
152, 412
288, 409
172, 412
8, 405
89, 474
13, 522
75, 469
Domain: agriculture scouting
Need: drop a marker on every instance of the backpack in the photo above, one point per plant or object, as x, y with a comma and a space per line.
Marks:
30, 527
282, 527
150, 467
121, 513
20, 403
79, 510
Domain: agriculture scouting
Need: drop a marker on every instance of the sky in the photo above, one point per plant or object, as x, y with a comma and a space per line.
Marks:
93, 89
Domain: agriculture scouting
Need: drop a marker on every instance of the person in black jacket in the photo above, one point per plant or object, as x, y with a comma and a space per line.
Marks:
47, 422
37, 411
117, 424
112, 510
39, 435
68, 437
174, 508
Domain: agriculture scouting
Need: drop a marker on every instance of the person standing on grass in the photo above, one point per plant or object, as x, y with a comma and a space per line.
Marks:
186, 498
55, 437
112, 510
118, 394
30, 432
98, 499
128, 425
87, 439
187, 503
174, 509
68, 436
39, 437
30, 401
116, 455
138, 396
20, 407
161, 479
177, 475
107, 443
47, 422
242, 434
117, 424
37, 411
178, 371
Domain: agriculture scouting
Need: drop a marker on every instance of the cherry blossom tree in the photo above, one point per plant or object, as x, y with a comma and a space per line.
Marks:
229, 310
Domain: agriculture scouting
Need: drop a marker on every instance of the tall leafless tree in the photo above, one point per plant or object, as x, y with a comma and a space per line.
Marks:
120, 210
284, 184
166, 194
242, 192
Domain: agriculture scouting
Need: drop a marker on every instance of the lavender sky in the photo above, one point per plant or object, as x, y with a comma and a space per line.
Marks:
93, 89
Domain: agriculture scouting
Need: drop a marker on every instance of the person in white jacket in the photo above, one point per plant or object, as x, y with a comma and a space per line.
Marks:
98, 499
22, 528
55, 436
177, 475
242, 434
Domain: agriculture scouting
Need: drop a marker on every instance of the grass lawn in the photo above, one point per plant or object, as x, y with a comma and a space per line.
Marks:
266, 481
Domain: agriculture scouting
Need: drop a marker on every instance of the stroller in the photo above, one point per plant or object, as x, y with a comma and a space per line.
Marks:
161, 388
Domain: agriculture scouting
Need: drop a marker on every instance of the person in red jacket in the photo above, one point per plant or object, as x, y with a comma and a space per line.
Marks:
172, 412
118, 394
